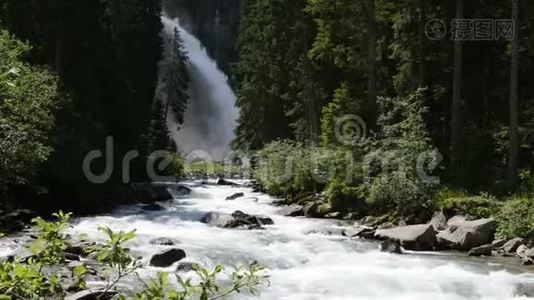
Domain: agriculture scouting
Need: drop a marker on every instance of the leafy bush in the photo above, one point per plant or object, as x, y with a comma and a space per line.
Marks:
52, 241
401, 195
516, 218
478, 206
284, 168
28, 101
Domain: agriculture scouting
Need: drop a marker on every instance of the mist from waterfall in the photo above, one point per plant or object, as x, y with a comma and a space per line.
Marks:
211, 116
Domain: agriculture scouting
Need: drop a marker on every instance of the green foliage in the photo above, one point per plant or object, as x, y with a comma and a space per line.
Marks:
208, 285
28, 100
516, 218
482, 206
342, 104
52, 240
527, 183
25, 281
289, 167
116, 256
402, 195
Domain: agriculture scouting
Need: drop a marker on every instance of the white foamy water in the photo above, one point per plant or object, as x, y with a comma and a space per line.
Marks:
211, 116
304, 264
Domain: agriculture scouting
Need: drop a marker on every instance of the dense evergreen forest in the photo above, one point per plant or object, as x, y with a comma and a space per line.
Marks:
85, 71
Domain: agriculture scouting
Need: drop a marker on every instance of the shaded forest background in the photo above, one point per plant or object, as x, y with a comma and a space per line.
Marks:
297, 67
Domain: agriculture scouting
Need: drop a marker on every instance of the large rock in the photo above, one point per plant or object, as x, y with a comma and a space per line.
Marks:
391, 246
167, 258
216, 219
356, 231
236, 220
439, 221
484, 250
235, 196
413, 237
162, 242
512, 245
293, 210
464, 235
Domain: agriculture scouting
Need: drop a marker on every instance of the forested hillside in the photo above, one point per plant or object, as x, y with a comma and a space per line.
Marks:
457, 106
97, 75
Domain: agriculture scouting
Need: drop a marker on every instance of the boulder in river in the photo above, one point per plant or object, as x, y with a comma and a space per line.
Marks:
484, 250
216, 219
412, 237
167, 258
235, 196
293, 210
184, 267
356, 231
236, 220
512, 245
162, 242
391, 246
464, 235
439, 221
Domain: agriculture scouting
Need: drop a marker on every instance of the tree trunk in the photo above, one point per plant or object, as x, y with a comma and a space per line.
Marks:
371, 61
514, 122
422, 41
456, 110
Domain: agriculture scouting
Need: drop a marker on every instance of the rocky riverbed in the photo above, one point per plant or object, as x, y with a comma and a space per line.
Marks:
308, 258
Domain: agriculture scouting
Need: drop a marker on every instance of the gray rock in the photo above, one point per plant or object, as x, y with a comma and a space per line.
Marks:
391, 246
167, 258
464, 235
498, 243
512, 245
184, 267
356, 231
521, 250
413, 237
162, 242
485, 250
235, 196
439, 221
216, 219
293, 210
333, 215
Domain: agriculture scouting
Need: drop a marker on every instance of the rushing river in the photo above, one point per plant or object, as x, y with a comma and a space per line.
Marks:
304, 262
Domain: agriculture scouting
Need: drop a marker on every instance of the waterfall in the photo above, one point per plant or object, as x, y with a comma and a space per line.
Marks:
211, 116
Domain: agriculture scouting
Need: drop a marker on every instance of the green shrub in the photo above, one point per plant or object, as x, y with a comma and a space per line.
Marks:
478, 206
52, 240
401, 195
516, 218
284, 167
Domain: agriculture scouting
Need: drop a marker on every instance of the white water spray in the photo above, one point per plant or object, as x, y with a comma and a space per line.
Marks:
211, 116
